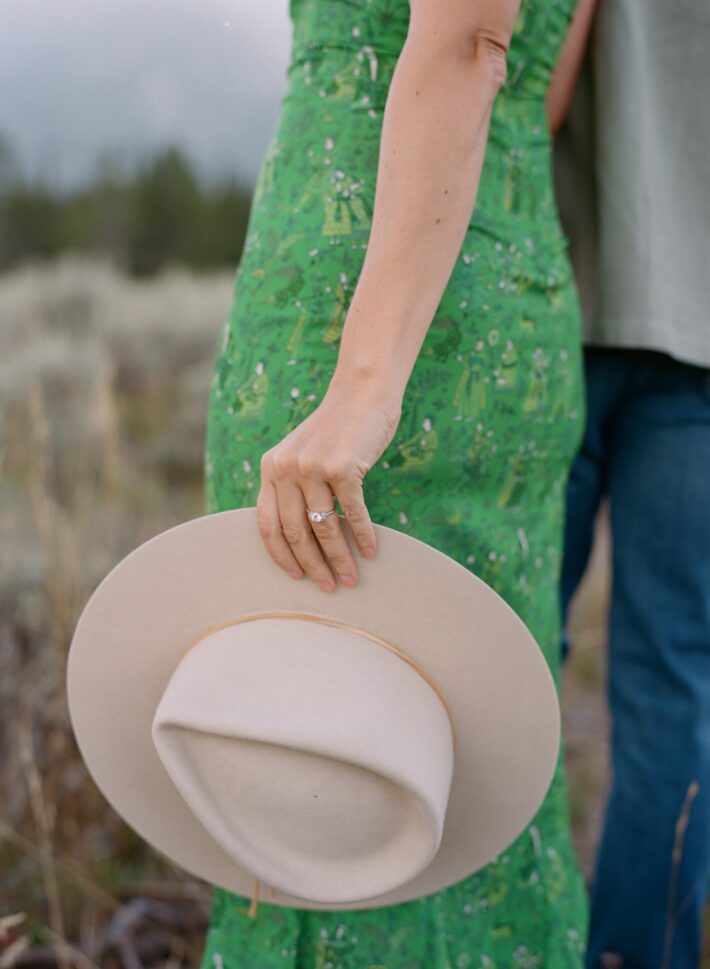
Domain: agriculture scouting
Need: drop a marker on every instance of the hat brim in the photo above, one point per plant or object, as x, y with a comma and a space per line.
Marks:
202, 572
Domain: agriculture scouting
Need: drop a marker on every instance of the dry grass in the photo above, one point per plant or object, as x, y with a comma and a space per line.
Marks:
103, 391
103, 388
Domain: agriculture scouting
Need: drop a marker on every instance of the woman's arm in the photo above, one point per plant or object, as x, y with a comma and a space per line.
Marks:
433, 139
561, 90
432, 143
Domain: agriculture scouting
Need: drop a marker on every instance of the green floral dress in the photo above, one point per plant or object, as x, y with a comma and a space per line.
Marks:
492, 417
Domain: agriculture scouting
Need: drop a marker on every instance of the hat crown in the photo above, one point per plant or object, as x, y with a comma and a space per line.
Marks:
318, 759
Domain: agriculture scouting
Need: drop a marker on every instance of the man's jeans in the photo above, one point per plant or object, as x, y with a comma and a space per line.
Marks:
647, 449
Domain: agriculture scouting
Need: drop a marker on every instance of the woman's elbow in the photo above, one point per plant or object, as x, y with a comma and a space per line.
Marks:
475, 31
489, 50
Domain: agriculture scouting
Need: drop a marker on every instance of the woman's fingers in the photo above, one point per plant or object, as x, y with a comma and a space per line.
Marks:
300, 536
292, 539
269, 523
352, 501
329, 532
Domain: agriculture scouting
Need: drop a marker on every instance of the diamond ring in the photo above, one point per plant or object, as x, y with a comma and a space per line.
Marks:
319, 516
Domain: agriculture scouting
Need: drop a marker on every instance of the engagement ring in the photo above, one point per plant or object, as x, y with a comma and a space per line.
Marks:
319, 516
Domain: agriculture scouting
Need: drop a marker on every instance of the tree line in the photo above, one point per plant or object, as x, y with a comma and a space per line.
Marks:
158, 214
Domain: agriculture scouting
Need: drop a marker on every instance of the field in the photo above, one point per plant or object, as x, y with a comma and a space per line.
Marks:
103, 392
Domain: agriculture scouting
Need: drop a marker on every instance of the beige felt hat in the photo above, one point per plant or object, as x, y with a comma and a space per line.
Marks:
350, 749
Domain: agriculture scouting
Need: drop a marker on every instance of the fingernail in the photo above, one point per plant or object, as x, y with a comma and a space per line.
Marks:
326, 585
348, 579
296, 575
369, 552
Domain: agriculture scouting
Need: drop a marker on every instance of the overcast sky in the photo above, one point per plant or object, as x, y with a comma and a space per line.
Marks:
79, 76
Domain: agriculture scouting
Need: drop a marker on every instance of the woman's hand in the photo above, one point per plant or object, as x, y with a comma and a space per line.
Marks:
327, 455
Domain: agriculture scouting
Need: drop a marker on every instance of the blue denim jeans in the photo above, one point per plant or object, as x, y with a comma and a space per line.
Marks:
647, 450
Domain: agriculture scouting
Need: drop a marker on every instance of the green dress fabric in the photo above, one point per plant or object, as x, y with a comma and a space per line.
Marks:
492, 417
